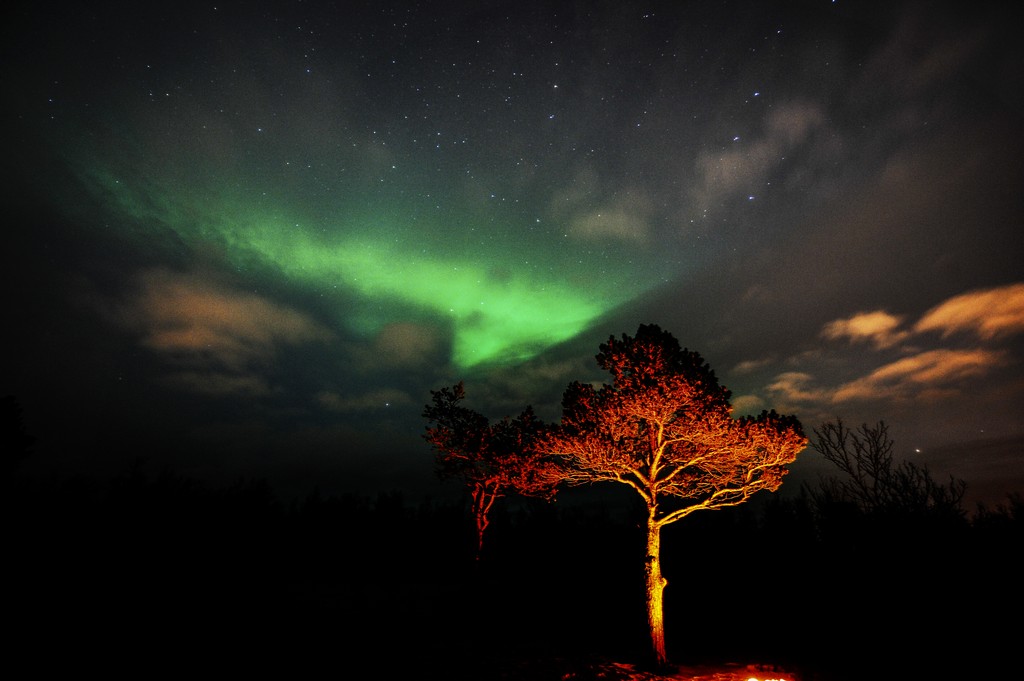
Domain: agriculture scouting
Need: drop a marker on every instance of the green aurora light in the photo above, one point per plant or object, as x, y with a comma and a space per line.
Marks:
506, 302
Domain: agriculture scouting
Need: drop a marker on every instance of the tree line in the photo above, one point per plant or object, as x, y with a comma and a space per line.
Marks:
663, 428
811, 582
846, 575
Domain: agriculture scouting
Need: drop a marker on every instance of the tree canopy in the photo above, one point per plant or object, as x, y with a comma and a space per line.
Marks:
664, 427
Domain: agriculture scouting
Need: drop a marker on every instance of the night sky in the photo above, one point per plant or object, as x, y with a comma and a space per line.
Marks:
246, 240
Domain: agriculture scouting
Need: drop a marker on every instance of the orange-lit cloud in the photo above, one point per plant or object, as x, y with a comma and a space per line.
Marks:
924, 377
747, 366
796, 386
933, 373
747, 404
905, 369
988, 313
191, 317
878, 328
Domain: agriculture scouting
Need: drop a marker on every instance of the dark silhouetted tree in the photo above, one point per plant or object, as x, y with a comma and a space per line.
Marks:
881, 521
493, 460
664, 428
873, 482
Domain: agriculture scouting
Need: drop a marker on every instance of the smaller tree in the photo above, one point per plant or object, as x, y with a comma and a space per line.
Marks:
492, 460
873, 482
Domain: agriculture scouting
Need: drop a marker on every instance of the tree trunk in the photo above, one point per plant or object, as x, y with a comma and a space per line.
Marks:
655, 592
481, 505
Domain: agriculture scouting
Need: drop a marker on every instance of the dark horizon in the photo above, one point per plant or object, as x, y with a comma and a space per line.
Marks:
987, 483
155, 572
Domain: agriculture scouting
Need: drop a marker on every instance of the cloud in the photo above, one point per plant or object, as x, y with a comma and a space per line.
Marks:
750, 366
988, 313
747, 404
583, 190
879, 328
915, 59
745, 166
589, 213
795, 386
624, 219
198, 319
934, 373
218, 338
399, 345
384, 398
220, 384
407, 344
916, 374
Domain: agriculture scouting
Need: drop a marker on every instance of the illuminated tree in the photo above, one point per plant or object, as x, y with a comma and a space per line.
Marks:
664, 428
493, 460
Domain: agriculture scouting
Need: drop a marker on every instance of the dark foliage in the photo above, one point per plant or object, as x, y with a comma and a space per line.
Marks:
153, 571
15, 441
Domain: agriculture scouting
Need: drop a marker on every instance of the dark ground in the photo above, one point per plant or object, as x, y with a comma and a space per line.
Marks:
154, 574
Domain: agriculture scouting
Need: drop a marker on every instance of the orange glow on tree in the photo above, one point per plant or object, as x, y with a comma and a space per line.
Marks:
664, 427
493, 460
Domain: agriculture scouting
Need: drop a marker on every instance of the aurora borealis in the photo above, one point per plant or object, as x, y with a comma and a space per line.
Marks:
259, 234
505, 302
